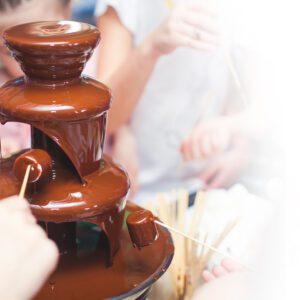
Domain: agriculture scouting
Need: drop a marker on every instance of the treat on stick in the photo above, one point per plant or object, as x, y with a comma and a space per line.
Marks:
24, 183
40, 162
142, 228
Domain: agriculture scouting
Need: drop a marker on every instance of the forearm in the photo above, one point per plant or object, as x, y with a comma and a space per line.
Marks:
128, 82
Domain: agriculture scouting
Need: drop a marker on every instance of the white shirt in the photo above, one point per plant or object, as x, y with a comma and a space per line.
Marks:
185, 87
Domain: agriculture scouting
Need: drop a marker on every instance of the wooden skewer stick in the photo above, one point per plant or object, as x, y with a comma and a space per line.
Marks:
169, 4
236, 78
203, 244
198, 213
24, 183
183, 200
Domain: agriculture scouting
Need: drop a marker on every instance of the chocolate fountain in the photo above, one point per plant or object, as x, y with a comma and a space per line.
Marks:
77, 194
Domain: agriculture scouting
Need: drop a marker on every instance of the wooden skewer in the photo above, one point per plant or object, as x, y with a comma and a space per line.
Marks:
236, 78
203, 254
203, 244
163, 207
24, 183
219, 239
198, 213
183, 199
169, 4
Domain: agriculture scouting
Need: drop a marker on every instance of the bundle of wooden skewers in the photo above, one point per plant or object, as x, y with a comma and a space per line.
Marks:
191, 258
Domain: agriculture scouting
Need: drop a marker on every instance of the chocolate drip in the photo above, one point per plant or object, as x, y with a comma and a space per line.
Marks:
64, 235
85, 275
68, 119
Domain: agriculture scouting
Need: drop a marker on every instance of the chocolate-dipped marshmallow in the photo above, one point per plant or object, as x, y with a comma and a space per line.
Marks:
142, 228
40, 162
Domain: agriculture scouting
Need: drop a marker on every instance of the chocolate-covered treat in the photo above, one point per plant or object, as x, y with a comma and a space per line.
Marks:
142, 229
40, 162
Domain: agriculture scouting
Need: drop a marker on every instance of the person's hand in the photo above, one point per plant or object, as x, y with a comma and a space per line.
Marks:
27, 256
125, 151
233, 286
224, 169
227, 266
207, 139
190, 25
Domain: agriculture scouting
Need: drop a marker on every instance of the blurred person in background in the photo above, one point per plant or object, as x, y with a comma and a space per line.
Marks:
265, 279
83, 11
177, 118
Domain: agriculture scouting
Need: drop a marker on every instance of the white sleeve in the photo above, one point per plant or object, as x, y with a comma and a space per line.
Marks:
126, 10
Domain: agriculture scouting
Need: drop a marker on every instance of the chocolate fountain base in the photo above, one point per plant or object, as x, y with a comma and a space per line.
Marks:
83, 274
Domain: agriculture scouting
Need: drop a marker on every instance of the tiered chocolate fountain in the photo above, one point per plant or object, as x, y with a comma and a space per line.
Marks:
74, 186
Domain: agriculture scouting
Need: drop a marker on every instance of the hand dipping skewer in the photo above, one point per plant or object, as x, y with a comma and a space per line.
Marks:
143, 232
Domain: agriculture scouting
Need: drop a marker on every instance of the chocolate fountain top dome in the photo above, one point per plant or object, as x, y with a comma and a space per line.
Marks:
54, 32
53, 54
63, 43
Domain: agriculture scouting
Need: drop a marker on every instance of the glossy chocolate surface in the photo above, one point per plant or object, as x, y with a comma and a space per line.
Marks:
54, 50
142, 229
83, 274
40, 164
23, 101
64, 198
67, 113
67, 107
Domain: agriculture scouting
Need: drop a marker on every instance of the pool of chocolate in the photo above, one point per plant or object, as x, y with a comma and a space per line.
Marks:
83, 274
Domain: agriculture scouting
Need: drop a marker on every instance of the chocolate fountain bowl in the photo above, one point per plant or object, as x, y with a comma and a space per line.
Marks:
85, 269
85, 275
80, 197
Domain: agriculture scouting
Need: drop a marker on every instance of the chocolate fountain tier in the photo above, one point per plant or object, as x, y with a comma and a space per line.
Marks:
65, 199
83, 274
54, 50
25, 102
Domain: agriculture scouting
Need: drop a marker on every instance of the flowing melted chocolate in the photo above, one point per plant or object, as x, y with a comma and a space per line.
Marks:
142, 229
71, 115
83, 274
40, 164
64, 198
53, 96
67, 113
52, 51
